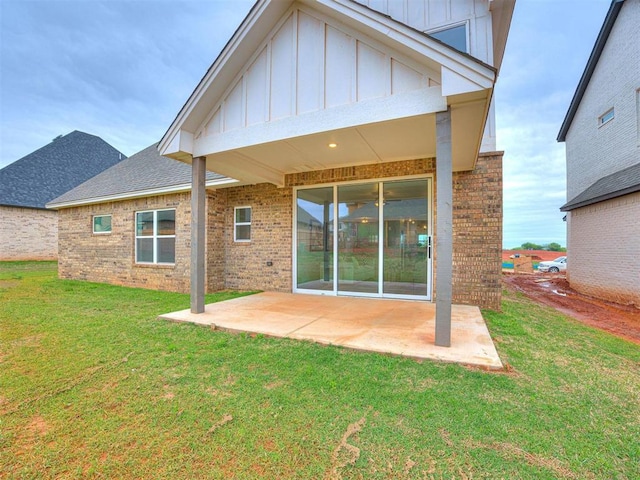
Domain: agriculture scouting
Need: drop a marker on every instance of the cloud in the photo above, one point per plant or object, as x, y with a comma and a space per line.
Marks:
123, 69
119, 70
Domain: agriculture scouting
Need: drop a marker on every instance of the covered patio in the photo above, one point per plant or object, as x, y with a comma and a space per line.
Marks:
397, 327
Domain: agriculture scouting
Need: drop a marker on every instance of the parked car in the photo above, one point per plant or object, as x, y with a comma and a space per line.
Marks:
557, 265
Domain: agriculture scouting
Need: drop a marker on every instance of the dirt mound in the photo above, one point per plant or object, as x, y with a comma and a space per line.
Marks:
554, 290
538, 255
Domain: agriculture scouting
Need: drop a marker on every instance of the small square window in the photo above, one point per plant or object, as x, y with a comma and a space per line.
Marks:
242, 224
102, 224
607, 117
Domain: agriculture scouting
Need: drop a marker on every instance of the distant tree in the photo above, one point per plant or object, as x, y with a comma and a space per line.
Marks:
555, 247
530, 246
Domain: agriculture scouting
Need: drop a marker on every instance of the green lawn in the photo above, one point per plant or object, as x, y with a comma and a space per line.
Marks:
92, 385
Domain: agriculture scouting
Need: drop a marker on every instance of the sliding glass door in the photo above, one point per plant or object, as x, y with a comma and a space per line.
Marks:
358, 234
314, 239
365, 239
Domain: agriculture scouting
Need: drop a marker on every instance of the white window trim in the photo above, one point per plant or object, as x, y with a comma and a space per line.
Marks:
93, 224
239, 224
154, 237
430, 177
449, 26
601, 120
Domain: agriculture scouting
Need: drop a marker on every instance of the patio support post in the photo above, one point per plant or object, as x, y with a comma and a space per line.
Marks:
198, 207
444, 228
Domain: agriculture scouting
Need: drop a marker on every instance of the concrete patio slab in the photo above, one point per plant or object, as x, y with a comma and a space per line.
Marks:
398, 327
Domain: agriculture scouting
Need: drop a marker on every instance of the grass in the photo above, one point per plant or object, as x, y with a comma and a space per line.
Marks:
92, 385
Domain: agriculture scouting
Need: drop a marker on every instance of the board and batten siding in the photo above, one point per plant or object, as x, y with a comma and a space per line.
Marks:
283, 79
431, 15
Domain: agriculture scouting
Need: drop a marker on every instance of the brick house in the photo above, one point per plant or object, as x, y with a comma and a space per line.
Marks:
354, 145
601, 132
28, 231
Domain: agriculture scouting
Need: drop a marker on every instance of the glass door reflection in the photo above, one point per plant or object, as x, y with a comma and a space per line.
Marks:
358, 242
407, 239
314, 233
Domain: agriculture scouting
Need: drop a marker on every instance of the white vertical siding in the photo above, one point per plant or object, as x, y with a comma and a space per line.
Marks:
233, 117
428, 15
283, 71
257, 108
404, 79
371, 60
309, 64
339, 68
310, 85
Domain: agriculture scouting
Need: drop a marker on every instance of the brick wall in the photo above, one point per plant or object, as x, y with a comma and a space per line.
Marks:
477, 233
477, 219
271, 236
243, 265
28, 234
594, 150
110, 258
216, 239
603, 249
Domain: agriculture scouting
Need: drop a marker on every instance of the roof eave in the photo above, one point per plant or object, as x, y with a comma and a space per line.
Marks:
374, 24
601, 41
136, 194
567, 207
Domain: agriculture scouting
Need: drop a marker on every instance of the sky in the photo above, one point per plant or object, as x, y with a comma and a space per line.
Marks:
122, 69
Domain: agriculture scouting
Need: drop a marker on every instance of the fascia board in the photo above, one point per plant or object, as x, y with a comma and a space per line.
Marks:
153, 192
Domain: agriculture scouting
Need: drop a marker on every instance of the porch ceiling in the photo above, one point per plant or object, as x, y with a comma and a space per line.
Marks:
387, 141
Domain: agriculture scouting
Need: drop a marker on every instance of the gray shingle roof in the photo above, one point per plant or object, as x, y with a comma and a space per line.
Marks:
624, 182
141, 173
50, 171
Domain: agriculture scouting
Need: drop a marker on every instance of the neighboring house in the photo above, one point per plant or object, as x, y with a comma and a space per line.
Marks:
602, 135
28, 231
313, 113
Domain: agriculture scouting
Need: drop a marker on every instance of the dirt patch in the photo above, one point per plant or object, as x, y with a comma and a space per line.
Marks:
345, 453
553, 290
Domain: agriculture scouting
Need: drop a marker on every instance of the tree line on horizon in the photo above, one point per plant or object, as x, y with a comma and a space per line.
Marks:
551, 247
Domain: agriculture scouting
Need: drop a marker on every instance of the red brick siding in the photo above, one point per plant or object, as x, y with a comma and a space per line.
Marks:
477, 233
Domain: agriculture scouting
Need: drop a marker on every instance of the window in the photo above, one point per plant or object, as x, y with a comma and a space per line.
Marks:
156, 236
102, 224
242, 224
606, 117
638, 113
455, 36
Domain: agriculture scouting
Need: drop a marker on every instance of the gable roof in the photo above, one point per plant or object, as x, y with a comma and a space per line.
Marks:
617, 184
601, 41
178, 141
143, 174
63, 164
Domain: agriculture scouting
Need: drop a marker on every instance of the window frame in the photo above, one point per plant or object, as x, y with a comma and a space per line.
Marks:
605, 118
154, 237
237, 224
451, 26
101, 232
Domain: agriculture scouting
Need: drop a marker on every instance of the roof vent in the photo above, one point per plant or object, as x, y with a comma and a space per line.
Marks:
58, 137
